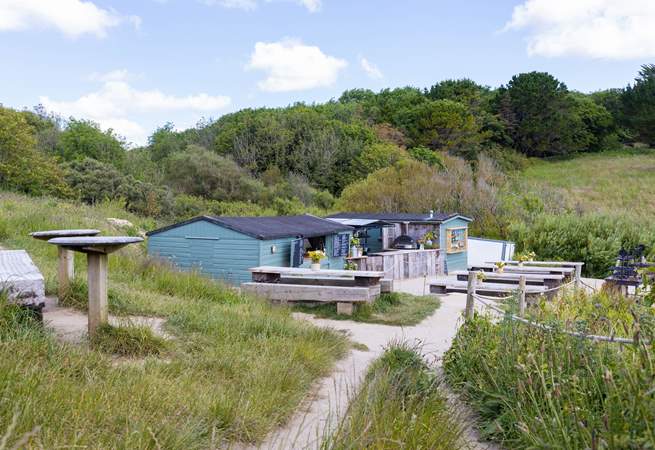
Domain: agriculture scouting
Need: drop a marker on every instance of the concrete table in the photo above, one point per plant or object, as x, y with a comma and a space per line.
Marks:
66, 263
96, 248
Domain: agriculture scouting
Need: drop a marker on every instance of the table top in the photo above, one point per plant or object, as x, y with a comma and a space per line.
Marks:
95, 244
46, 235
318, 273
528, 269
516, 275
543, 263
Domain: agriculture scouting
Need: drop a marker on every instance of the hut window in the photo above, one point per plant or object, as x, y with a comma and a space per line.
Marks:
314, 243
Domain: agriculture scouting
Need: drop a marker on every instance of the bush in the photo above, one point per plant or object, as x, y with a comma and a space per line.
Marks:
594, 239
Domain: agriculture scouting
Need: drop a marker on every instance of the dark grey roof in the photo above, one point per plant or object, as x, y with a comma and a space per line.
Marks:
265, 228
401, 217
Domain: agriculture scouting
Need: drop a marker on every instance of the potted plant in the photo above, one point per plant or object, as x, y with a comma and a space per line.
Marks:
525, 256
428, 240
500, 267
354, 247
316, 256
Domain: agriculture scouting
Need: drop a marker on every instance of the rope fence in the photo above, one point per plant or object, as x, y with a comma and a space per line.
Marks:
472, 296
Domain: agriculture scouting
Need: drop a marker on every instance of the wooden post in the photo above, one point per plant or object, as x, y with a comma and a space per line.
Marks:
346, 309
521, 295
65, 270
97, 281
470, 292
578, 276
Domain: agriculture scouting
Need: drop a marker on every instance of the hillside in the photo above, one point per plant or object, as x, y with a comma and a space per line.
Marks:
609, 182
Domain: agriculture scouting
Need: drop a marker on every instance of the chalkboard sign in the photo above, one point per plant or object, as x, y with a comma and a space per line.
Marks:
340, 245
297, 252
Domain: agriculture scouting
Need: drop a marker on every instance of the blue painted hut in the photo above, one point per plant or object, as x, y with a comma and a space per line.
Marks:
381, 230
226, 247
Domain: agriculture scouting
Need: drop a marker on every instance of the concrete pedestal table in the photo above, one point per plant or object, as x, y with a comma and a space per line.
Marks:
96, 248
66, 264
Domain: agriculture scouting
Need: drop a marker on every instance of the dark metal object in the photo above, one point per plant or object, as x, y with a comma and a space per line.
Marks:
404, 242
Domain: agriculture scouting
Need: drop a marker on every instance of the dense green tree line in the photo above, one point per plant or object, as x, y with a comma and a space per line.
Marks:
445, 146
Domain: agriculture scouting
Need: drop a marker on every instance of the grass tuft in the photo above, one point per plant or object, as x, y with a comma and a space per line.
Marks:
128, 340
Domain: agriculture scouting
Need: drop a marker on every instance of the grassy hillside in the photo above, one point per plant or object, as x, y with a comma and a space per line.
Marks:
234, 368
613, 182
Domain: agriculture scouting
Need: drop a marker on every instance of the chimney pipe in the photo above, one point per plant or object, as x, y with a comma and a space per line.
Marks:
431, 213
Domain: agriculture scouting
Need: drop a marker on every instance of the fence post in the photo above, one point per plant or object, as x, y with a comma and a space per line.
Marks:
578, 276
470, 292
521, 295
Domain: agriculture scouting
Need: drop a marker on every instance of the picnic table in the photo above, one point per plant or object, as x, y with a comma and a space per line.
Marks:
66, 261
292, 284
566, 271
96, 248
532, 279
272, 274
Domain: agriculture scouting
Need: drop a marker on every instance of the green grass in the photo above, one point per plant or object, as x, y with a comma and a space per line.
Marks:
399, 406
544, 389
614, 182
234, 368
128, 339
389, 309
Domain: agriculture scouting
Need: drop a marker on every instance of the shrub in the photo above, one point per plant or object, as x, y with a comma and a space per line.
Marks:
594, 239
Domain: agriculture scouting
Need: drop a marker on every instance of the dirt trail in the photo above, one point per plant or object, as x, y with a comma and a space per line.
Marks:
329, 401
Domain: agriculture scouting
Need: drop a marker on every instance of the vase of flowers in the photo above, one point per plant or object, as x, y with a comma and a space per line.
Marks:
316, 256
500, 267
354, 247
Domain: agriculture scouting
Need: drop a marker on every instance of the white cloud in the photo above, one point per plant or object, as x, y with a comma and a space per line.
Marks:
613, 29
293, 66
116, 104
371, 69
249, 5
71, 17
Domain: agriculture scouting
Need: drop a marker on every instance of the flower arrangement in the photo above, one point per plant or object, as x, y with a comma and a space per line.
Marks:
525, 256
316, 256
354, 241
429, 240
500, 266
350, 266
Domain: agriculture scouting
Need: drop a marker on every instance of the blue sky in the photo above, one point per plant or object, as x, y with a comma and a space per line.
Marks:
134, 65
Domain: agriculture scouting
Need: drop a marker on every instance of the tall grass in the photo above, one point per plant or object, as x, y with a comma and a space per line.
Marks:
234, 369
399, 406
545, 389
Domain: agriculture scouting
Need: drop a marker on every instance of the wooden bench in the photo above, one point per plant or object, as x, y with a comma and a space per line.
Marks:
531, 279
488, 289
568, 272
292, 284
344, 296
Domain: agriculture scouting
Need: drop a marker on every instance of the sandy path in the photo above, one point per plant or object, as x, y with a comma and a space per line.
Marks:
70, 325
322, 410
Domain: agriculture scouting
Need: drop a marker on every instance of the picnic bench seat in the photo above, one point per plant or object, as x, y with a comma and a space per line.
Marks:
484, 288
343, 296
531, 279
294, 284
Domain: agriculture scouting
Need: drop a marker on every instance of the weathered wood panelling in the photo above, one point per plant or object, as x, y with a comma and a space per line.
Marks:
402, 264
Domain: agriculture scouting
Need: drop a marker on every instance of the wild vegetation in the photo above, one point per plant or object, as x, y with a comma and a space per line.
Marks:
544, 389
393, 308
233, 368
454, 146
400, 405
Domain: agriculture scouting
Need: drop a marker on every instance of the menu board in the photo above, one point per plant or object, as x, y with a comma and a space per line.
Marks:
340, 245
456, 240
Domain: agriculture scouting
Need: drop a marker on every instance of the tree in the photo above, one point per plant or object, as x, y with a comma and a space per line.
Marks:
639, 105
84, 139
200, 172
443, 125
164, 142
22, 167
465, 91
538, 114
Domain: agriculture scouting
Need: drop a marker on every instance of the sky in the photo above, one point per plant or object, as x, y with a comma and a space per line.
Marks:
135, 65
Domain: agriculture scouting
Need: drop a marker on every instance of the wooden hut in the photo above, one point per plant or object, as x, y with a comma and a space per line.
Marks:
226, 247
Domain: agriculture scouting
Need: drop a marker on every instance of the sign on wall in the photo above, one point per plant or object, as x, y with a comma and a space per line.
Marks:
340, 245
456, 239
